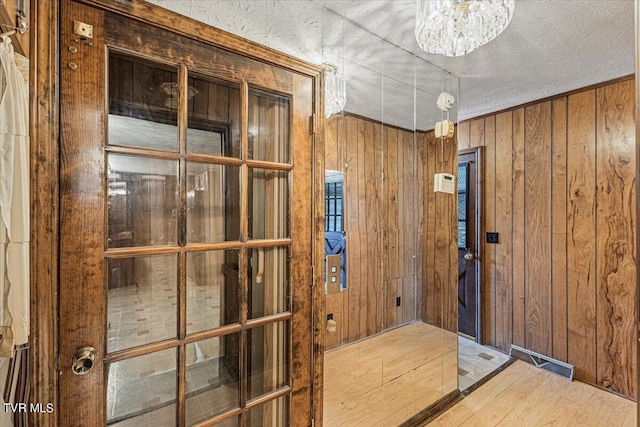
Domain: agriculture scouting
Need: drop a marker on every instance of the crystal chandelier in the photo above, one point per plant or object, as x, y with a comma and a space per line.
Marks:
457, 27
335, 93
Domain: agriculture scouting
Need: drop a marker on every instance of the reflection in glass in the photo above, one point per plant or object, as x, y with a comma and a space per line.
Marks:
398, 373
268, 355
141, 391
213, 203
269, 281
141, 300
214, 117
143, 102
272, 414
209, 141
143, 201
333, 203
212, 296
463, 204
268, 127
269, 198
334, 90
211, 388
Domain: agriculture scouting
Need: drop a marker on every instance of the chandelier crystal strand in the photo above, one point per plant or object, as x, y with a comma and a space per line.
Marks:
457, 27
335, 94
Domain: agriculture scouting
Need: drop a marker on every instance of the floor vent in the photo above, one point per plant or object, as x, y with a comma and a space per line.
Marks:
543, 362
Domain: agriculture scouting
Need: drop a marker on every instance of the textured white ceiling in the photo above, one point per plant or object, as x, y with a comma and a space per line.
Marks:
550, 47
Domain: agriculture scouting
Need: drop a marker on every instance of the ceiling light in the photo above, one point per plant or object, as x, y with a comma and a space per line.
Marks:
335, 93
457, 27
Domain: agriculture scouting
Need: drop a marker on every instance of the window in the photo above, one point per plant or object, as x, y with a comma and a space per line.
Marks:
333, 206
463, 204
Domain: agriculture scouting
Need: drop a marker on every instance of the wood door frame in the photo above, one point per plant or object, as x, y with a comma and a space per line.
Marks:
45, 183
637, 76
43, 128
479, 232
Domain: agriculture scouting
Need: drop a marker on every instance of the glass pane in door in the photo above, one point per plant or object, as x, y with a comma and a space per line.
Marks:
272, 414
212, 278
213, 203
141, 391
141, 300
269, 212
143, 103
269, 281
211, 388
268, 358
269, 127
142, 201
214, 117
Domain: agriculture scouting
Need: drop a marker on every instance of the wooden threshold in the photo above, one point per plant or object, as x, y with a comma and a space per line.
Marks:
423, 417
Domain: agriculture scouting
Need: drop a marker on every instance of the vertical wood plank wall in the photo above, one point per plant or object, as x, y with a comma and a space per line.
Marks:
391, 229
559, 187
437, 267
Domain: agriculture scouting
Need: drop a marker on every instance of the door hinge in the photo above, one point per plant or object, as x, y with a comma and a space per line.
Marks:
312, 124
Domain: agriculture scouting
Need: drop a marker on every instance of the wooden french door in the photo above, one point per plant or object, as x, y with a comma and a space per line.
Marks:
185, 233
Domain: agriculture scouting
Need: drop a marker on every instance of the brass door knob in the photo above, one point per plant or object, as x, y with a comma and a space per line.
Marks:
83, 360
468, 256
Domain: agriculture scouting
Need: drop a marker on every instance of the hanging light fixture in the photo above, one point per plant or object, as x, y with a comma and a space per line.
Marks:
457, 27
335, 93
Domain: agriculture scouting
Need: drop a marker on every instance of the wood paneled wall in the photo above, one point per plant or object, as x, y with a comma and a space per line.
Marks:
559, 187
400, 236
437, 234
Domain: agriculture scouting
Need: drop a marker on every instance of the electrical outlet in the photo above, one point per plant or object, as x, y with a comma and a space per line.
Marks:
398, 302
492, 237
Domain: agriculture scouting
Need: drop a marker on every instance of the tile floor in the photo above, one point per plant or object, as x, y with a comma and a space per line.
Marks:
147, 312
476, 361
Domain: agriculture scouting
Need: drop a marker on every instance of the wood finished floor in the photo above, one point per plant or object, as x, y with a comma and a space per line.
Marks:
523, 395
384, 380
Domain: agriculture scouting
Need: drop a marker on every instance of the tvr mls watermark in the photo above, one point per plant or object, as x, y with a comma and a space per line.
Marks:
42, 408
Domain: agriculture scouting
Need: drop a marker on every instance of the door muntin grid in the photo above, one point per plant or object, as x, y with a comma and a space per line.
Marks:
231, 349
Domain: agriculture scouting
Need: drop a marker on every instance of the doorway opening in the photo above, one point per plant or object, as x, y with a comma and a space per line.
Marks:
469, 244
476, 363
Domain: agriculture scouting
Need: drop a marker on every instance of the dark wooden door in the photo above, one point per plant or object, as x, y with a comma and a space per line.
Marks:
185, 263
467, 244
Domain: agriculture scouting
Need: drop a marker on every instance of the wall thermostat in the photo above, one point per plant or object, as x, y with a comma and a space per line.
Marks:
444, 183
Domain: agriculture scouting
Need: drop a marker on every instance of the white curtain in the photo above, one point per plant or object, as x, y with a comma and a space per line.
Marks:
14, 199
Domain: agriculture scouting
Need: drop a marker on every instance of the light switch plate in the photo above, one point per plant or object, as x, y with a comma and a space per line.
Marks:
333, 274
